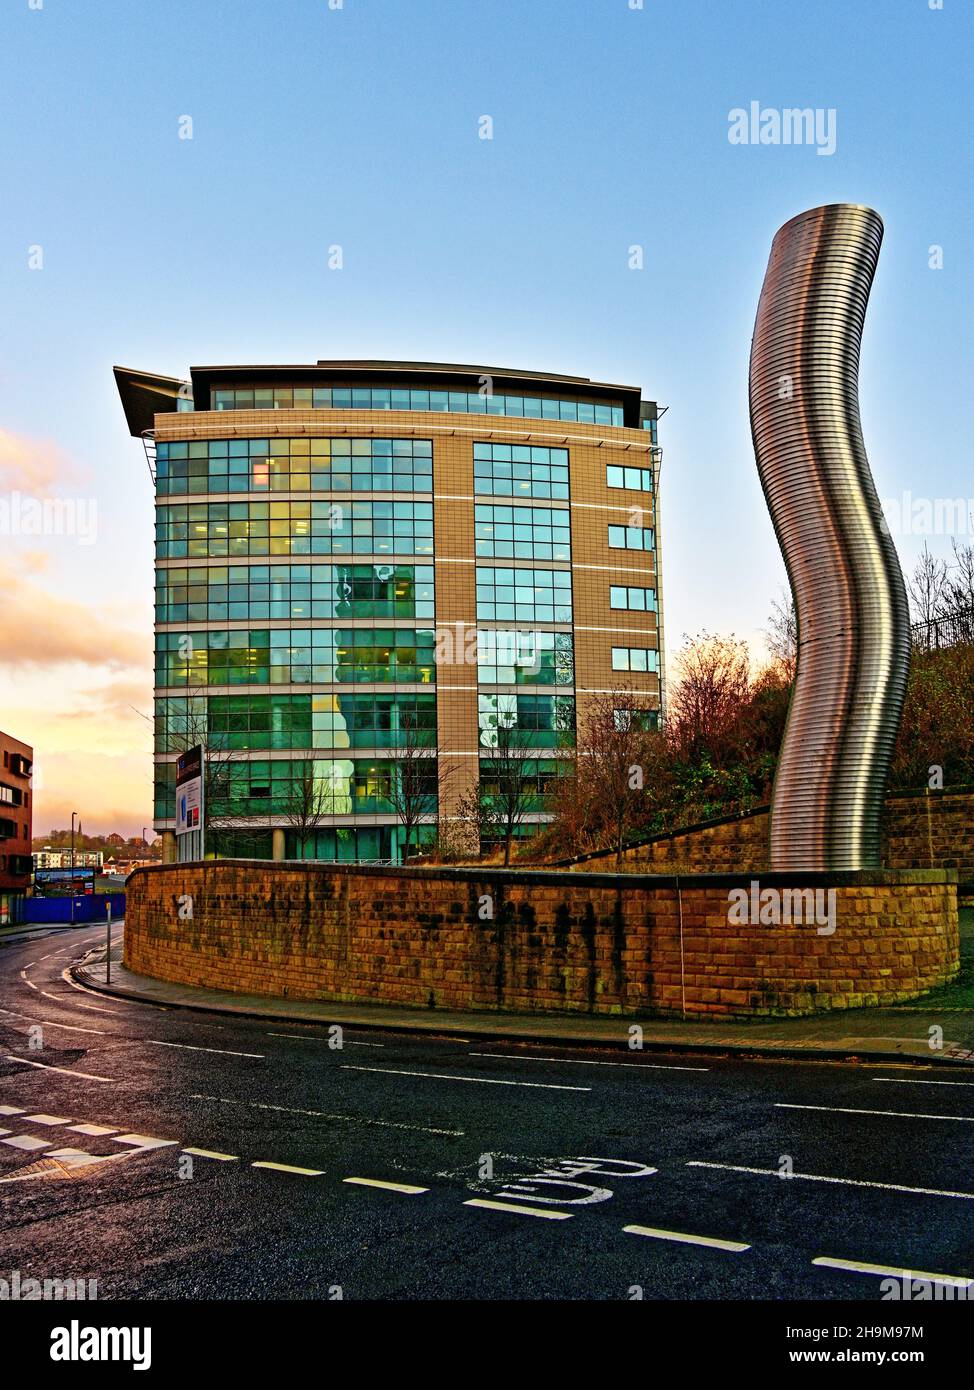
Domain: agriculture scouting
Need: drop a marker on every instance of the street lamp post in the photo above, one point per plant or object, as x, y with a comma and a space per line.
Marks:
73, 814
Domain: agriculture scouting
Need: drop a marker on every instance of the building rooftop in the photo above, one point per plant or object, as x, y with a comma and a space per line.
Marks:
145, 393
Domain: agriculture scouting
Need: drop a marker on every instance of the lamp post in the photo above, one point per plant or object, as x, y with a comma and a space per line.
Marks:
73, 814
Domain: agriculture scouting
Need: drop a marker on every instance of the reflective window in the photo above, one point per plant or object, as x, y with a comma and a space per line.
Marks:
295, 656
635, 600
340, 719
631, 538
392, 398
524, 595
506, 657
635, 659
523, 533
294, 465
642, 718
220, 530
208, 593
520, 470
545, 721
639, 479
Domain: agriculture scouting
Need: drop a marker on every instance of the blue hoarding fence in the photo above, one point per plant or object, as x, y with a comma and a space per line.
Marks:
91, 907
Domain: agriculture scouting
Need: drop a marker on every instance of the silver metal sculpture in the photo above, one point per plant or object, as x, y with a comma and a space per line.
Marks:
853, 620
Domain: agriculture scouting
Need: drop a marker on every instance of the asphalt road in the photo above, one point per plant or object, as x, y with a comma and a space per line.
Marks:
247, 1159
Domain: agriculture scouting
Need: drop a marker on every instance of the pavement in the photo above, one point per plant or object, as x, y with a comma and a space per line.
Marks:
169, 1153
902, 1033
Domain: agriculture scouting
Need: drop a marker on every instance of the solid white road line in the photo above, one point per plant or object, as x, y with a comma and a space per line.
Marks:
478, 1080
325, 1115
913, 1081
388, 1186
208, 1153
684, 1239
288, 1168
956, 1281
519, 1210
65, 1071
26, 1141
577, 1062
143, 1141
842, 1182
311, 1037
93, 1131
188, 1047
891, 1114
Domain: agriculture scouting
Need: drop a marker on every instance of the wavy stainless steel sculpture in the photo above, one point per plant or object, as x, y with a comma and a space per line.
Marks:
853, 621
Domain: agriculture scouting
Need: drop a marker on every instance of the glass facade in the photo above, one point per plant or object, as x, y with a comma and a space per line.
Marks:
406, 398
221, 593
540, 776
230, 529
520, 470
541, 721
295, 656
326, 720
507, 657
524, 595
523, 533
294, 465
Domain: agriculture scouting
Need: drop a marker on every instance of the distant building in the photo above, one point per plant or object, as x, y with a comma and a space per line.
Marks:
61, 859
17, 760
114, 838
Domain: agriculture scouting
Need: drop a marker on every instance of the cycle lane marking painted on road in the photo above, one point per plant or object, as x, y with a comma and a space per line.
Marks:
579, 1062
956, 1281
476, 1080
820, 1177
890, 1114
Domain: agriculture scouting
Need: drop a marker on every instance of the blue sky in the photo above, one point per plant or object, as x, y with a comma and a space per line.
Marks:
358, 126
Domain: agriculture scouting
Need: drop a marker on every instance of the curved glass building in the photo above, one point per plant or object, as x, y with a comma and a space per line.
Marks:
364, 569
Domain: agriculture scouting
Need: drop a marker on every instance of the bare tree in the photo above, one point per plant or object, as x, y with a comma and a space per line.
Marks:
782, 633
512, 787
413, 788
615, 753
707, 706
307, 802
926, 588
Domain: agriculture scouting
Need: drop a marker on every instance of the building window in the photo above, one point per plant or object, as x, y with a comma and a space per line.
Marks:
294, 465
633, 600
631, 538
638, 479
523, 533
392, 398
639, 718
217, 593
295, 656
520, 470
524, 596
506, 657
541, 721
635, 659
218, 530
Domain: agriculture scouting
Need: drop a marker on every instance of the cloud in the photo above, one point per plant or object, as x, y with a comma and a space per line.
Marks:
33, 465
39, 629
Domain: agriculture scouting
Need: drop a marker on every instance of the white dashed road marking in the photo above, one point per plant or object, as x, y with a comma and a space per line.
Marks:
912, 1081
324, 1115
46, 1119
842, 1182
65, 1071
683, 1238
955, 1281
389, 1186
579, 1062
288, 1168
93, 1131
476, 1080
188, 1047
11, 1110
518, 1210
890, 1114
208, 1153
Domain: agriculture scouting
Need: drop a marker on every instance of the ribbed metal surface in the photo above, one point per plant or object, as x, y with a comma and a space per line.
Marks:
853, 620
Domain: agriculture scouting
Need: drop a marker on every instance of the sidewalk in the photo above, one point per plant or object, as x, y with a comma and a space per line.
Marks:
897, 1034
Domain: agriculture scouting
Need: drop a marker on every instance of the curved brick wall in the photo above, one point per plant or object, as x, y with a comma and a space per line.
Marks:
557, 942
